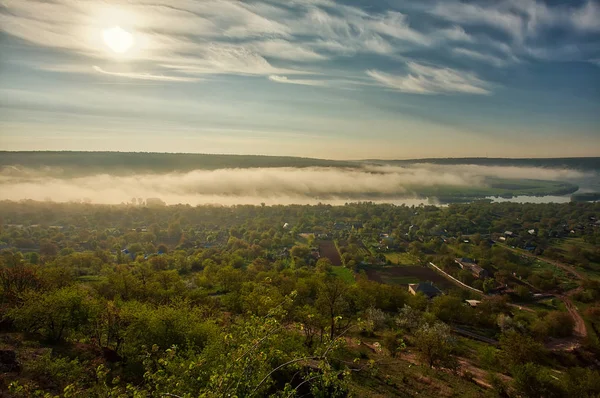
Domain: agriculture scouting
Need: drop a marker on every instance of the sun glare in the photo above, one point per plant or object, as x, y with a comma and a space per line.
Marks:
117, 39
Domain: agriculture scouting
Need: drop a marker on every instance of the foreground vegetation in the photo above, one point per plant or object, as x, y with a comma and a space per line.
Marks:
298, 300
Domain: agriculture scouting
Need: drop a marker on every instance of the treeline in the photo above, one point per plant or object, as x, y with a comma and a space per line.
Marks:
120, 163
582, 163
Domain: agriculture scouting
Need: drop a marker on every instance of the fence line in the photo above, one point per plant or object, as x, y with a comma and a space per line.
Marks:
454, 279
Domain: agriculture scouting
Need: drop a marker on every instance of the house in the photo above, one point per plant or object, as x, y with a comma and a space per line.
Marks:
427, 288
473, 303
471, 266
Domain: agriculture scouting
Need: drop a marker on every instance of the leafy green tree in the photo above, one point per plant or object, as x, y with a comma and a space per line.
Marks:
559, 324
518, 349
488, 285
449, 308
16, 280
435, 344
582, 382
533, 381
56, 314
332, 301
300, 251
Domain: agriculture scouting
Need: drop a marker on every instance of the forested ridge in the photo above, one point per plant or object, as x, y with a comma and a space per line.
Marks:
215, 301
116, 162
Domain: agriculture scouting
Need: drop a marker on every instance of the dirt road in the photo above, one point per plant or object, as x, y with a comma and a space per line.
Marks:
579, 330
566, 267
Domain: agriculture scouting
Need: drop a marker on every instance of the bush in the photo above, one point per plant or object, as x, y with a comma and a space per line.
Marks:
164, 326
488, 357
56, 314
393, 342
57, 372
533, 381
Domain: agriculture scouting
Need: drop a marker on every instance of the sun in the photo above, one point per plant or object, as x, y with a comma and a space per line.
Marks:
118, 39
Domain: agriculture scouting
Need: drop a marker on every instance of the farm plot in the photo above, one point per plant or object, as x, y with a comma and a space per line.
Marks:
401, 258
327, 249
403, 275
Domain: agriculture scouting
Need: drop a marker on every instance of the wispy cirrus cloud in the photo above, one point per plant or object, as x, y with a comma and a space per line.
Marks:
287, 38
146, 76
305, 82
423, 79
485, 58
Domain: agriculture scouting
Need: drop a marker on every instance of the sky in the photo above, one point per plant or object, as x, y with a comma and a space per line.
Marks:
388, 79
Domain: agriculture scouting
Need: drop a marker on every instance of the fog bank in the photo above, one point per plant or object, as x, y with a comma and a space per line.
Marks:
285, 185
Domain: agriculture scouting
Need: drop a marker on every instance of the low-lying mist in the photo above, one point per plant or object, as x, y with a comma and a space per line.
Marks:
283, 185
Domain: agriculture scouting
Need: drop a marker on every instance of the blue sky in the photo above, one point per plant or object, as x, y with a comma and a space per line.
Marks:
316, 78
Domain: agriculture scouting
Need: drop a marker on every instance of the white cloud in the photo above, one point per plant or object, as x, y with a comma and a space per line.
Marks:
422, 79
471, 14
284, 49
146, 76
395, 24
487, 58
587, 18
456, 33
306, 82
277, 37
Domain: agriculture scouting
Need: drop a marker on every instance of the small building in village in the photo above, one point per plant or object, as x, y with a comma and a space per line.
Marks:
471, 266
427, 288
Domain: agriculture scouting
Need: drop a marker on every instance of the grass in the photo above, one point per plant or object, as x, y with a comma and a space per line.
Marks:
401, 258
397, 377
566, 242
548, 305
344, 273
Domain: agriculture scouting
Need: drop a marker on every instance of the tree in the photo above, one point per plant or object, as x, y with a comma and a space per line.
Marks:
488, 285
48, 248
16, 280
449, 308
518, 349
532, 381
300, 251
435, 344
557, 324
323, 265
523, 293
331, 300
54, 314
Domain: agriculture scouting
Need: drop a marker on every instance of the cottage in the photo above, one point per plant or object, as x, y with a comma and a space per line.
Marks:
427, 288
473, 303
471, 266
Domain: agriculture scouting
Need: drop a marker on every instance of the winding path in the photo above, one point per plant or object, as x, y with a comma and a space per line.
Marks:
579, 330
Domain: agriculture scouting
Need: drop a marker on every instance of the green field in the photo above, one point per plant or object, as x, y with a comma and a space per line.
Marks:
344, 273
592, 270
565, 243
401, 258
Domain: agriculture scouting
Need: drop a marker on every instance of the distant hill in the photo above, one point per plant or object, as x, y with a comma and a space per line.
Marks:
81, 163
124, 162
589, 163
